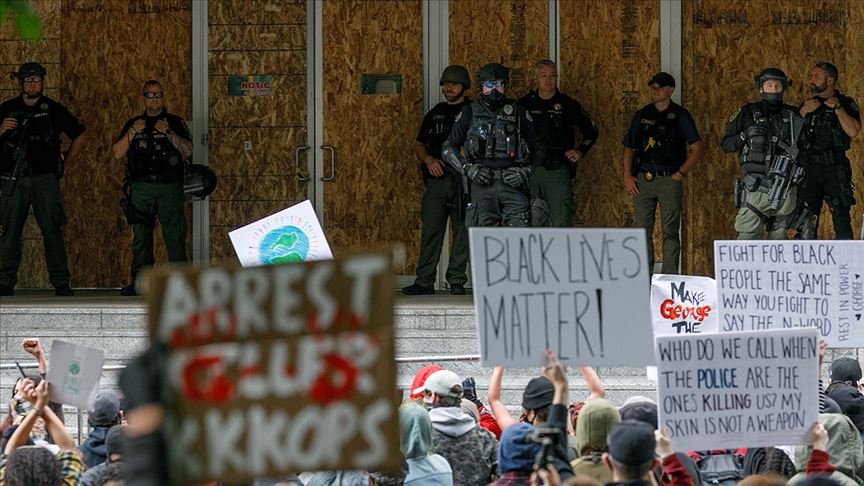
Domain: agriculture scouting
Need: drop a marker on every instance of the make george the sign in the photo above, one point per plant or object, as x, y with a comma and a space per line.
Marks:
742, 389
582, 293
792, 284
278, 369
683, 304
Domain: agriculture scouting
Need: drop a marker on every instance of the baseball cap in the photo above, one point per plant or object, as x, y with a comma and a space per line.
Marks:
420, 380
845, 369
662, 79
631, 442
444, 383
538, 393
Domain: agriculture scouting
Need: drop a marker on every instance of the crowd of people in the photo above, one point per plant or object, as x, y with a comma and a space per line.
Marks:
449, 436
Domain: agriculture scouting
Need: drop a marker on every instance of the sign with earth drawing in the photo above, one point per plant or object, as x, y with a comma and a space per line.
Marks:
291, 235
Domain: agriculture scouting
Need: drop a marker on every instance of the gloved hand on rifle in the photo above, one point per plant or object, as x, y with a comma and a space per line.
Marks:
469, 391
756, 130
479, 174
516, 176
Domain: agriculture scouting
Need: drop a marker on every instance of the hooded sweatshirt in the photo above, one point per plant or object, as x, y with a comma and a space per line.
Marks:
595, 421
471, 451
416, 434
845, 450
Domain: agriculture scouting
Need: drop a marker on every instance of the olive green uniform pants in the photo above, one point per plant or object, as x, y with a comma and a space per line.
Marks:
165, 201
553, 186
666, 192
750, 226
442, 201
42, 192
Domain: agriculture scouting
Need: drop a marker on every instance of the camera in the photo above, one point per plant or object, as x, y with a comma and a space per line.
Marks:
546, 437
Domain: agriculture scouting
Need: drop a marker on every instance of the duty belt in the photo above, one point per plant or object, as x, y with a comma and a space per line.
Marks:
823, 158
650, 174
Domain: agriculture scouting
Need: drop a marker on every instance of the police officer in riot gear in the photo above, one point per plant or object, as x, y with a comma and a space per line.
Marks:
155, 145
501, 145
30, 168
832, 119
661, 146
557, 116
766, 134
442, 197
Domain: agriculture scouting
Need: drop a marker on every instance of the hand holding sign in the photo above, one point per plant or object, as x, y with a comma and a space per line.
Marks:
819, 437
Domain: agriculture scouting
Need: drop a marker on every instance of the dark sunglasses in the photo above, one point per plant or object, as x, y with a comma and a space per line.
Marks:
157, 94
493, 85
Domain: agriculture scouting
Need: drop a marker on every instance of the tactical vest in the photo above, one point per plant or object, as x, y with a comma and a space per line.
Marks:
494, 138
662, 145
153, 158
43, 144
757, 151
438, 133
824, 133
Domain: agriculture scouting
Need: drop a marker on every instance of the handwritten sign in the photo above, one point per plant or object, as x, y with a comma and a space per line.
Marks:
582, 293
792, 284
279, 368
743, 389
683, 304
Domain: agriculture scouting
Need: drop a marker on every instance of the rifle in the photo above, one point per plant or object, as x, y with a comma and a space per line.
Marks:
8, 182
784, 169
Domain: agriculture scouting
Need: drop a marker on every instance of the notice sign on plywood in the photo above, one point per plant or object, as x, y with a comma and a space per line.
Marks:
278, 369
250, 85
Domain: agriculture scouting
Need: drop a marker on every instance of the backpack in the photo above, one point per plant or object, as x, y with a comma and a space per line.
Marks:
721, 469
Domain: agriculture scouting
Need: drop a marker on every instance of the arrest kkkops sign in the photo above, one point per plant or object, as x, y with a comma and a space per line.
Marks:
278, 369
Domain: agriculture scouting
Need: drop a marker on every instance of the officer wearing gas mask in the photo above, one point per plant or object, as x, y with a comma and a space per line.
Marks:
766, 136
832, 119
442, 196
30, 168
500, 146
155, 145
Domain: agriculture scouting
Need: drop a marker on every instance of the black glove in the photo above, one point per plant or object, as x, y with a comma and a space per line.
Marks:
469, 391
516, 176
479, 174
756, 130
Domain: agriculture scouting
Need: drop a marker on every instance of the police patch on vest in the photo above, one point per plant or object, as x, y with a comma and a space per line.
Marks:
556, 107
528, 116
44, 106
458, 116
734, 115
670, 116
508, 109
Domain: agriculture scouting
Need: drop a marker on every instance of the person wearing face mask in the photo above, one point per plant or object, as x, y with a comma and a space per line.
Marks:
832, 121
500, 147
761, 132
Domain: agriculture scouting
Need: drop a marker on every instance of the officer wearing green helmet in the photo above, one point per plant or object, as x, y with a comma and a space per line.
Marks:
155, 145
442, 196
30, 169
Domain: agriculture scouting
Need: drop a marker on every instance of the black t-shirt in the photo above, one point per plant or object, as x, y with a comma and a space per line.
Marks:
437, 124
175, 124
45, 121
556, 119
686, 126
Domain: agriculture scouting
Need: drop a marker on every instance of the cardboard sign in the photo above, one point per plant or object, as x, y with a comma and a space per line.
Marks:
291, 235
682, 304
792, 284
743, 389
278, 369
582, 293
74, 373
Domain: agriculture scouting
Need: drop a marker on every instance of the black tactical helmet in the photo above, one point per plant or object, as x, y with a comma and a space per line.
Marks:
199, 180
31, 69
456, 74
493, 71
772, 73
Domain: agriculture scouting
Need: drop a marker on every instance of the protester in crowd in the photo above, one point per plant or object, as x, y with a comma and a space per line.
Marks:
516, 454
105, 414
114, 451
764, 480
595, 421
417, 390
391, 478
845, 389
471, 451
110, 475
22, 465
485, 419
595, 390
771, 461
424, 468
631, 457
339, 478
18, 405
836, 451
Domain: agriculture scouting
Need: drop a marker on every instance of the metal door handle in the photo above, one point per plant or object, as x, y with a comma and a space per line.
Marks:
301, 173
332, 163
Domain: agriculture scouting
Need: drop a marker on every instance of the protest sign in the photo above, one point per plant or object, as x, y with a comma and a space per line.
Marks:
792, 284
582, 293
742, 389
683, 304
291, 235
74, 373
278, 369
